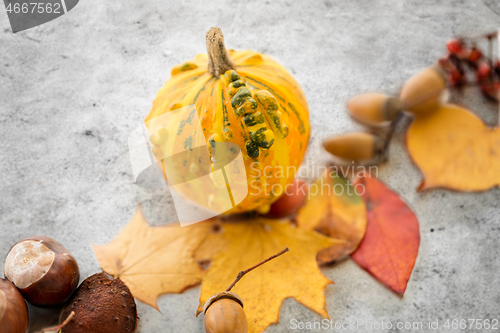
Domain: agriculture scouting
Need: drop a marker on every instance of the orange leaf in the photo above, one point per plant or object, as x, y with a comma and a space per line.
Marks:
454, 149
294, 274
390, 247
153, 260
334, 209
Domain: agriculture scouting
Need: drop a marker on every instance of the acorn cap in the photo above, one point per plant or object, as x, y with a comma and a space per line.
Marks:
224, 294
392, 108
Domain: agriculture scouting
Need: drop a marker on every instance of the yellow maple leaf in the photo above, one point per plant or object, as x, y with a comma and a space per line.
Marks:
455, 149
153, 260
238, 246
335, 209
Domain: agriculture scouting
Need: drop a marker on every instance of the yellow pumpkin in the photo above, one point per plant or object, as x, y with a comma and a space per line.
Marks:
248, 99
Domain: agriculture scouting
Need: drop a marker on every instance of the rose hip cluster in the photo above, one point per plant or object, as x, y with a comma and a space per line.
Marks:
466, 57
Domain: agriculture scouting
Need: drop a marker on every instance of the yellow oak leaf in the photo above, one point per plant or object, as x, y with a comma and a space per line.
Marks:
294, 274
335, 209
154, 260
454, 149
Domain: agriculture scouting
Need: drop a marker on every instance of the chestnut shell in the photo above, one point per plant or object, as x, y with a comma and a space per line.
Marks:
13, 310
57, 285
101, 305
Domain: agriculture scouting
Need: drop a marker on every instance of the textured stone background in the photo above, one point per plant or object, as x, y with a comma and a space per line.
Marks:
73, 89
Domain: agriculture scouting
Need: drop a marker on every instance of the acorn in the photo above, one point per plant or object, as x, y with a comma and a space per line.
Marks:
100, 305
13, 310
224, 313
424, 92
43, 270
355, 146
374, 109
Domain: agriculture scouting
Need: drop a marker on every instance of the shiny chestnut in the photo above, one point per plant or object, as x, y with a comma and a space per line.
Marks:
13, 309
43, 270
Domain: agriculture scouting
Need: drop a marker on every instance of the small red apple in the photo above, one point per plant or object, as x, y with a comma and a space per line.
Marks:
293, 197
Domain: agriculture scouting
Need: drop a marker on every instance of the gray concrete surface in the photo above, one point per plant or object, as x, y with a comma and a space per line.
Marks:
73, 89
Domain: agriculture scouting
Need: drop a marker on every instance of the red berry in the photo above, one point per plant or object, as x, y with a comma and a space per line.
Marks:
457, 78
292, 199
475, 55
491, 90
497, 67
483, 71
454, 46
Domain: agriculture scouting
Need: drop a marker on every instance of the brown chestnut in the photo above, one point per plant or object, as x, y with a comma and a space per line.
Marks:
43, 270
13, 309
100, 305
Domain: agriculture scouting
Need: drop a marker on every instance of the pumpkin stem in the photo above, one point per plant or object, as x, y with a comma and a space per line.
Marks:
218, 58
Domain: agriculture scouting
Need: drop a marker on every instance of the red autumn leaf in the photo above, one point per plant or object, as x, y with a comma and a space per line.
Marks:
390, 246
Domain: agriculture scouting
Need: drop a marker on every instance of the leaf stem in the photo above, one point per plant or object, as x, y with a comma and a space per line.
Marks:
242, 273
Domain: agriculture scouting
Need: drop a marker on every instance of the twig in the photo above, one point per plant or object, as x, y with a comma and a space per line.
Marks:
481, 36
498, 97
490, 51
66, 322
391, 130
242, 273
490, 61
